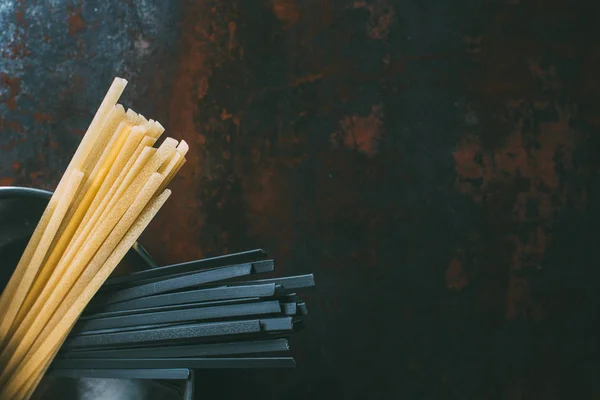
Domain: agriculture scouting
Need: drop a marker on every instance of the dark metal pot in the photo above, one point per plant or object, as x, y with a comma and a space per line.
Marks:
20, 211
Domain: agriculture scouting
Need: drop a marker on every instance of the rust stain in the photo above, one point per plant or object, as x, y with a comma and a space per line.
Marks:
529, 158
468, 160
524, 155
7, 181
190, 84
200, 139
75, 21
456, 278
232, 28
14, 89
13, 143
225, 115
35, 175
42, 117
202, 87
286, 11
20, 18
381, 17
306, 79
360, 133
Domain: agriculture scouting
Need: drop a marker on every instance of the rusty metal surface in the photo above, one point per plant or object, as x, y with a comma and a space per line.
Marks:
433, 162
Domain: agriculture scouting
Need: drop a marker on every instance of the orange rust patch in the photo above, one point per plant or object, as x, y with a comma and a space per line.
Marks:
75, 21
225, 115
516, 157
14, 88
306, 79
42, 117
286, 11
7, 181
529, 158
182, 217
202, 87
232, 28
35, 175
381, 17
361, 133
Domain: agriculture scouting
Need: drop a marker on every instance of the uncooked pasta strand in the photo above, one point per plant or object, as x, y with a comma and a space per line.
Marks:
31, 365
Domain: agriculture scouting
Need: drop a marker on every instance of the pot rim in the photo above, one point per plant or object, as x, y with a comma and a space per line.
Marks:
15, 191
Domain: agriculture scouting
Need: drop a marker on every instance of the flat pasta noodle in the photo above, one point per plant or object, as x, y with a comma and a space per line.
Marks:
71, 266
20, 282
113, 187
106, 161
111, 182
41, 297
108, 178
156, 129
76, 211
125, 224
48, 346
51, 298
164, 152
141, 120
8, 295
71, 187
182, 149
125, 154
120, 184
116, 116
136, 168
28, 389
132, 116
157, 159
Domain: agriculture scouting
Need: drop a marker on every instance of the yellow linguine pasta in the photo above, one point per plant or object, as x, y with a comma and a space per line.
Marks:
113, 187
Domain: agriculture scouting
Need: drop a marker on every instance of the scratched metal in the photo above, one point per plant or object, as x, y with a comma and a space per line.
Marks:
435, 163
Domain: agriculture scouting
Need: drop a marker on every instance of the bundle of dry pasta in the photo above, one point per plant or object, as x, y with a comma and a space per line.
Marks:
114, 185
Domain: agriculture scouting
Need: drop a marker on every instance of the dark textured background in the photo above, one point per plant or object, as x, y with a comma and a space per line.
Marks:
432, 161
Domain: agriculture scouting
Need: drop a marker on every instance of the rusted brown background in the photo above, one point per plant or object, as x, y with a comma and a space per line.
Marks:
432, 161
